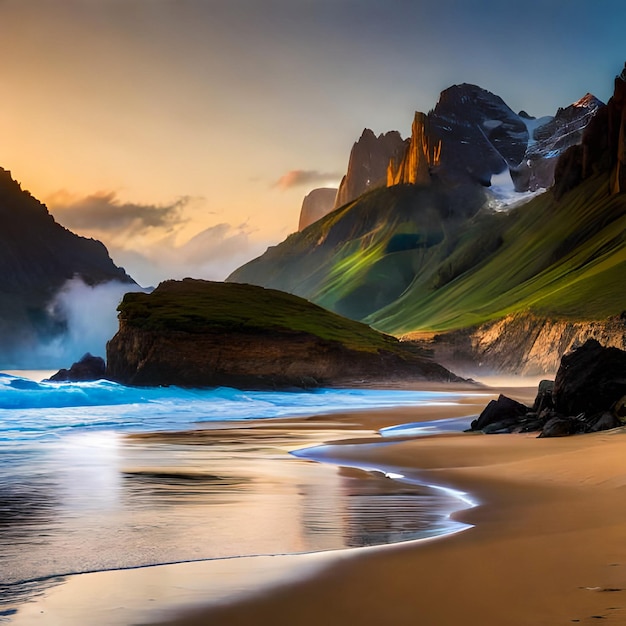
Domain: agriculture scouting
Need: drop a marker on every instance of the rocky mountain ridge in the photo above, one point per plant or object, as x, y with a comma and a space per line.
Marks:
470, 136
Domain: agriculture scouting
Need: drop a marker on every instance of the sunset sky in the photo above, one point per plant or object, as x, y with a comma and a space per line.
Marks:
185, 133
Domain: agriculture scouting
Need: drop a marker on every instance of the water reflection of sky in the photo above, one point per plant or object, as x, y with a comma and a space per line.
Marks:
99, 501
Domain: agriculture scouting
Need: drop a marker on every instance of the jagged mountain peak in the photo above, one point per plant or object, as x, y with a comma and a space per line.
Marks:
588, 101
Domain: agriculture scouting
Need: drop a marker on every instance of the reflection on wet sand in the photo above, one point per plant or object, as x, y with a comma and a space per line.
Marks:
112, 502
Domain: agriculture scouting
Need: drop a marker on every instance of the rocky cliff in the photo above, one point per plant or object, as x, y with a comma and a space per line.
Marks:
316, 204
523, 344
367, 166
602, 148
550, 140
197, 333
472, 135
419, 158
37, 256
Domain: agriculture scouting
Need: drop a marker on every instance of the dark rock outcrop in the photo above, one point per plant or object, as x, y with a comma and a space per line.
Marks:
588, 395
550, 140
316, 204
602, 148
590, 380
499, 410
37, 256
88, 368
367, 166
196, 333
480, 135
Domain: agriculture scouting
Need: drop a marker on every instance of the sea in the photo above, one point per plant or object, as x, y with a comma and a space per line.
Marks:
96, 476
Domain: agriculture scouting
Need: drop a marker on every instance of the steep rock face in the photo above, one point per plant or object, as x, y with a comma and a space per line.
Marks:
602, 148
522, 344
367, 166
550, 140
197, 333
316, 204
37, 256
590, 380
480, 134
419, 158
472, 134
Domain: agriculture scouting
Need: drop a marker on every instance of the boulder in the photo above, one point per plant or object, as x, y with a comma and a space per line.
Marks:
89, 367
605, 421
544, 399
563, 426
503, 410
590, 380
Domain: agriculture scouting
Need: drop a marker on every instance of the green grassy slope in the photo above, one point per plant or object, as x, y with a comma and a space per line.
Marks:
364, 255
199, 306
564, 258
409, 258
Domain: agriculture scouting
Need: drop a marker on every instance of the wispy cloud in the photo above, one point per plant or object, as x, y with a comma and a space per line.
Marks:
212, 254
105, 212
301, 178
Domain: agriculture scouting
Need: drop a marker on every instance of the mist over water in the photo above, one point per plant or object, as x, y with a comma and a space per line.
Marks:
89, 315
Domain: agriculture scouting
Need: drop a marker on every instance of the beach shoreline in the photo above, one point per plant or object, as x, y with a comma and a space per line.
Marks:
546, 544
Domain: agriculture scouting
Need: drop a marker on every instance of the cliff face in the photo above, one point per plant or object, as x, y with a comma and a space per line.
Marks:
367, 166
472, 134
37, 256
316, 204
197, 333
419, 158
550, 140
522, 344
602, 148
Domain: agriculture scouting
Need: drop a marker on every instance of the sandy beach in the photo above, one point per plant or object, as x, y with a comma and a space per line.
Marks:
547, 544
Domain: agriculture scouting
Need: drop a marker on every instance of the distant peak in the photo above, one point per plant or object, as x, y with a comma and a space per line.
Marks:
588, 101
367, 133
622, 76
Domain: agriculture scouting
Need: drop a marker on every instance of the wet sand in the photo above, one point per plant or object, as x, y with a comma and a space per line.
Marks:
547, 546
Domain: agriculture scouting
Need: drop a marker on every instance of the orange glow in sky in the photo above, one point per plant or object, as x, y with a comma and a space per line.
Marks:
205, 105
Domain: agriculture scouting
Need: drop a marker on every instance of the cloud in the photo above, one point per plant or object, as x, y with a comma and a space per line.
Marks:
301, 178
104, 212
212, 254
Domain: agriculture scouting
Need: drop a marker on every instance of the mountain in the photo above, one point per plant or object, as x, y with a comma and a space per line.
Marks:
197, 333
470, 136
549, 140
367, 166
37, 256
316, 204
435, 258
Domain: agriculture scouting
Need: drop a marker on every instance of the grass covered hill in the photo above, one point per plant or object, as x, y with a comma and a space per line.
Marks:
197, 333
365, 255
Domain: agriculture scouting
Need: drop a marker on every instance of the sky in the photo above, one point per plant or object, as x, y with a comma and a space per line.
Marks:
184, 134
